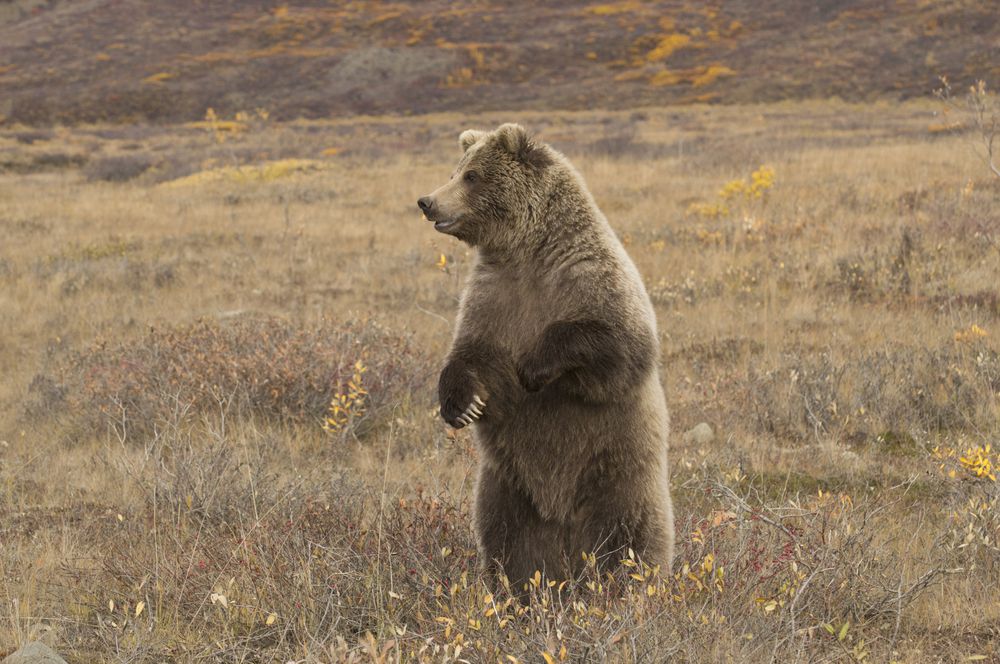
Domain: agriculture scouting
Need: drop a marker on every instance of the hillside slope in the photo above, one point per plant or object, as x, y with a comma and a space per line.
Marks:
121, 60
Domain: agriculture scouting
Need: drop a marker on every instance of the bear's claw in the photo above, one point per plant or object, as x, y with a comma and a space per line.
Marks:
472, 412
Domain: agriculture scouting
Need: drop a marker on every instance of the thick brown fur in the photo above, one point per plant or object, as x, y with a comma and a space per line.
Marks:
557, 337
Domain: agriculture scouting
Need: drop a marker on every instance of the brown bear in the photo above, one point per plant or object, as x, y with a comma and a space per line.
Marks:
554, 363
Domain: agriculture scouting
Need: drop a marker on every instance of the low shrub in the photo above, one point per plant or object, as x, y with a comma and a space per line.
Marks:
909, 391
325, 572
258, 367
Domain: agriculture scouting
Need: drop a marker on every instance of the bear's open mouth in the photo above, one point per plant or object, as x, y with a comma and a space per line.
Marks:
440, 224
448, 224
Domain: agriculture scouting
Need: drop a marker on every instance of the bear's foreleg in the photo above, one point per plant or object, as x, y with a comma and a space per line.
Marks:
603, 360
473, 382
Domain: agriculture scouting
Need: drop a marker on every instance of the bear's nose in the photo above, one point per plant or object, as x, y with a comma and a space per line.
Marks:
425, 203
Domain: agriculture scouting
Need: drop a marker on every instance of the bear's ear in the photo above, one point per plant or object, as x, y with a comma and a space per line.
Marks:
515, 139
469, 137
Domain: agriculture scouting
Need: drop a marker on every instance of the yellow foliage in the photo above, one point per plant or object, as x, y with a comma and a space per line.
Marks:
734, 189
666, 77
158, 78
711, 74
218, 126
704, 98
348, 404
979, 461
667, 45
221, 125
629, 75
464, 76
970, 334
760, 182
735, 195
388, 16
697, 76
476, 55
612, 8
222, 129
708, 237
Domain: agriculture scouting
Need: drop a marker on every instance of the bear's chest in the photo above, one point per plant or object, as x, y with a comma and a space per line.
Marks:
510, 311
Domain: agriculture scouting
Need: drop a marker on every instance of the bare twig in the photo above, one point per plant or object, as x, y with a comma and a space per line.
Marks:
984, 110
742, 504
901, 599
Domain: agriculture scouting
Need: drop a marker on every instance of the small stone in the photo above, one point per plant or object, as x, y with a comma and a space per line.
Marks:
701, 434
35, 652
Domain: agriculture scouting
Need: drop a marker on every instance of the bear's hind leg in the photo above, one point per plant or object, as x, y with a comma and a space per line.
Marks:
513, 537
610, 521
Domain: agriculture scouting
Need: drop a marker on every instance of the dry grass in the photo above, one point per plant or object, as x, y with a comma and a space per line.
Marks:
840, 334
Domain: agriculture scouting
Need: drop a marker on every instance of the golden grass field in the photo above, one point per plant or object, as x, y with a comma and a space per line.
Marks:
168, 350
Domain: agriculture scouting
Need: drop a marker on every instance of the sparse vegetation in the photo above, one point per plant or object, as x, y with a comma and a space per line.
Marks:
210, 451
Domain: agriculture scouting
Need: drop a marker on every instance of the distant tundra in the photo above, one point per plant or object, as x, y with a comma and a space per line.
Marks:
554, 365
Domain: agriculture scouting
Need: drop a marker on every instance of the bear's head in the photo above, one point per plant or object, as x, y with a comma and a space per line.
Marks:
488, 197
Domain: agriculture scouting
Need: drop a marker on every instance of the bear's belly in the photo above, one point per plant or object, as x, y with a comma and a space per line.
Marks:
552, 440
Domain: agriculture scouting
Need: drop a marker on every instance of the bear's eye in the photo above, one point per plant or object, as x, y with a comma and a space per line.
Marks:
471, 176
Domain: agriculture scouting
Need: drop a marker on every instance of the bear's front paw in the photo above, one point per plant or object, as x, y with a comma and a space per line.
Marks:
461, 403
457, 416
533, 376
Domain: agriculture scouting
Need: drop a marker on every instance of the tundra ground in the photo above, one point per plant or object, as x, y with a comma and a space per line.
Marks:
181, 304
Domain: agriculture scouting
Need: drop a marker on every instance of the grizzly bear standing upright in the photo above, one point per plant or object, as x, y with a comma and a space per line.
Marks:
554, 361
